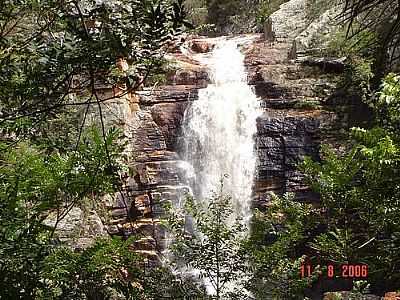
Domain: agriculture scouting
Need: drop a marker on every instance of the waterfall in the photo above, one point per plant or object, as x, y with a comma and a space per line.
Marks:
219, 130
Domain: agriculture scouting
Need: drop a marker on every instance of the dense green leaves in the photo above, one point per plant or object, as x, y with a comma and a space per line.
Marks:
279, 235
99, 272
357, 219
32, 185
55, 56
209, 242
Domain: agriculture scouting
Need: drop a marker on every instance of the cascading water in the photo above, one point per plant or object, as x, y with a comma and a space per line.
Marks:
219, 130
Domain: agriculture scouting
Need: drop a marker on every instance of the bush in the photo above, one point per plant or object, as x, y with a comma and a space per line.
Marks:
278, 237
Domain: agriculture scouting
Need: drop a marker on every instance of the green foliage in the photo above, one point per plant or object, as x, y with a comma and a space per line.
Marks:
340, 45
213, 246
215, 17
278, 235
307, 104
267, 8
55, 56
32, 185
197, 12
107, 268
387, 104
360, 191
357, 77
380, 17
219, 12
163, 73
50, 51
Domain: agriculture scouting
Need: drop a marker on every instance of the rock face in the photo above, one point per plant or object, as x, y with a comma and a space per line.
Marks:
288, 22
315, 35
153, 133
78, 228
291, 95
282, 142
349, 295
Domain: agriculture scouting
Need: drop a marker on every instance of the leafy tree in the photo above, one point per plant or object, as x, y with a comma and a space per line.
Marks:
356, 221
102, 271
360, 192
209, 243
387, 103
277, 243
107, 270
380, 17
32, 186
55, 56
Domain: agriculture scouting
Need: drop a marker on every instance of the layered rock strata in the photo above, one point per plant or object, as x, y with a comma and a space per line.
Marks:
287, 132
291, 94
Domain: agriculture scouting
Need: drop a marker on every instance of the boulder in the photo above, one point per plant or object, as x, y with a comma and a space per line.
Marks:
79, 228
287, 22
201, 45
315, 36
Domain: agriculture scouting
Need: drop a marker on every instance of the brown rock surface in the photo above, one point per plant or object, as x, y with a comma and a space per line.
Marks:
392, 296
169, 116
349, 296
285, 134
201, 45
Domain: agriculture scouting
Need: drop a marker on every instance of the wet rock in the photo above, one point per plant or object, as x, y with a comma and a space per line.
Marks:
281, 143
169, 117
201, 45
168, 94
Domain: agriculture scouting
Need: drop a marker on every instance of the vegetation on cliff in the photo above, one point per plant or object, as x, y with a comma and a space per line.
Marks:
356, 222
55, 56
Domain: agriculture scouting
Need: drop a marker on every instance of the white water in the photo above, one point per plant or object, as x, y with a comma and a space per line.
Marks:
219, 130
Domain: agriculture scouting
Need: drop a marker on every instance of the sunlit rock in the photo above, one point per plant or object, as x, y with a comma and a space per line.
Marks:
286, 23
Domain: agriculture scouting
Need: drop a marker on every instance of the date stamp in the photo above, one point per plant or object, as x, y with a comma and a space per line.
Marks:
356, 271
